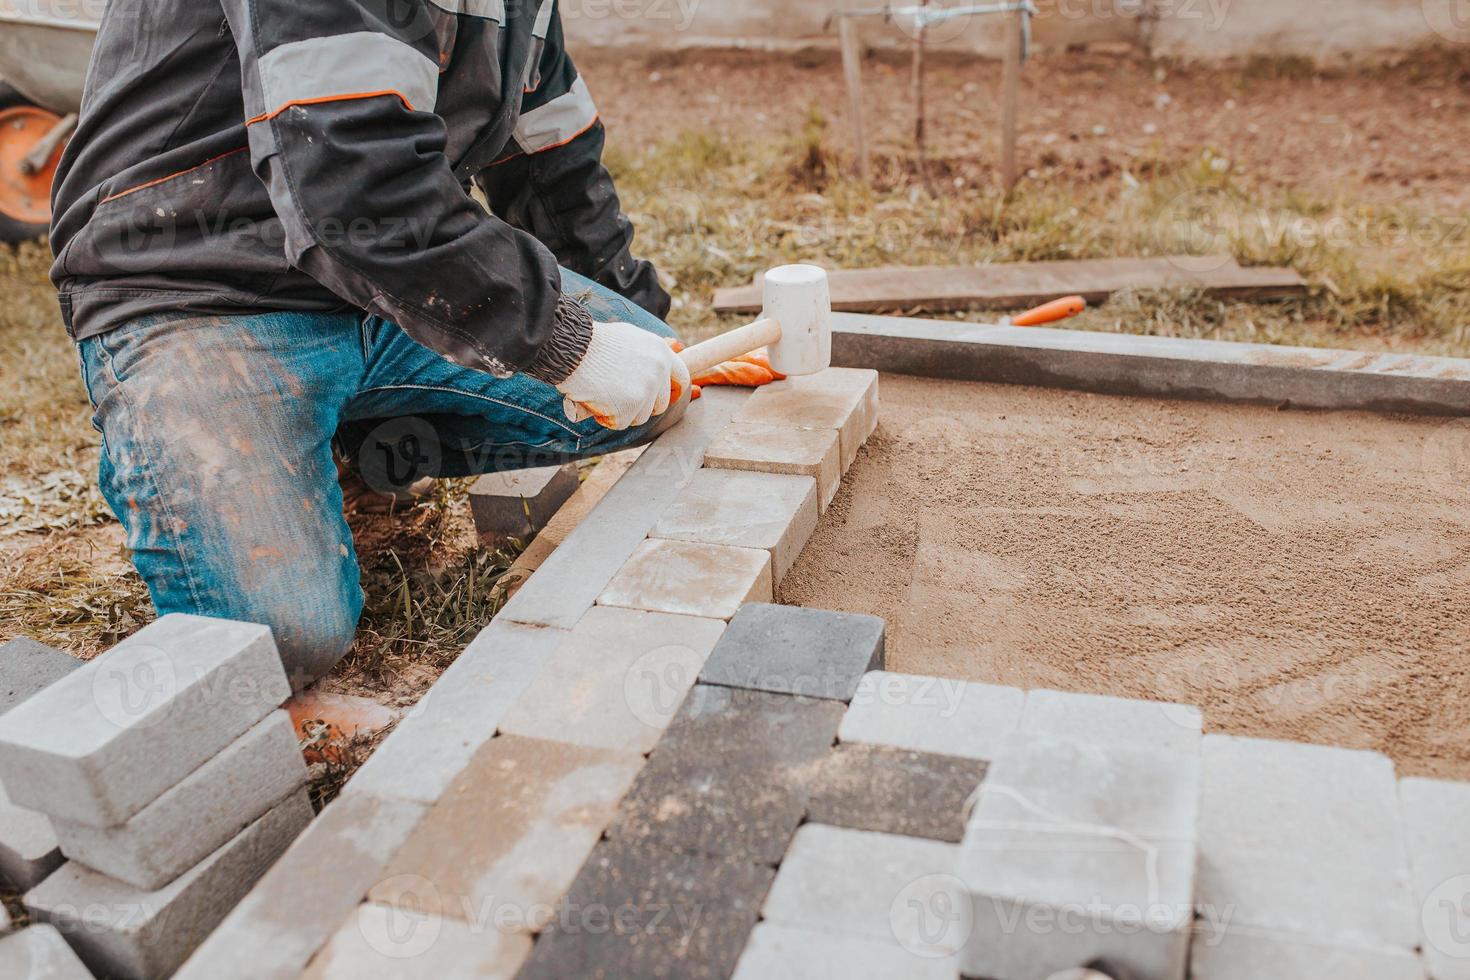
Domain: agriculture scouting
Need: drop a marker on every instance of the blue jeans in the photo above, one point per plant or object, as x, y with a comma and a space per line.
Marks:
217, 452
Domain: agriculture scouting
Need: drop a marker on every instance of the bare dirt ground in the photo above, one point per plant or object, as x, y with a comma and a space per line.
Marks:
1298, 575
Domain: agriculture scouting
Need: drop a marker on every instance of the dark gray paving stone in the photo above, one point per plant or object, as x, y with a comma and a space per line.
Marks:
27, 668
728, 779
642, 911
790, 650
894, 791
517, 504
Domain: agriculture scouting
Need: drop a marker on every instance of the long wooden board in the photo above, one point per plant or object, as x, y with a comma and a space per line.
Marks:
1019, 285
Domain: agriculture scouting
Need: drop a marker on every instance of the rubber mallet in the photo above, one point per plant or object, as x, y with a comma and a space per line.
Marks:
795, 324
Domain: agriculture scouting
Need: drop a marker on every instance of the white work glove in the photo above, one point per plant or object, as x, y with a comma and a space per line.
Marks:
626, 377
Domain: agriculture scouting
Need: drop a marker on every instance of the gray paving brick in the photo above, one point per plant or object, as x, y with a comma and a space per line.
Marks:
517, 504
1114, 721
729, 778
510, 833
640, 911
1246, 954
1435, 815
1304, 841
777, 952
932, 714
301, 901
29, 850
1079, 851
111, 737
875, 887
709, 580
765, 448
199, 815
28, 667
845, 399
616, 680
572, 577
894, 791
40, 953
790, 650
127, 932
769, 511
458, 715
378, 942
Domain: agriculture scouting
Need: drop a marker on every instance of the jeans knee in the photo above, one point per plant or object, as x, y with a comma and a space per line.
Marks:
312, 631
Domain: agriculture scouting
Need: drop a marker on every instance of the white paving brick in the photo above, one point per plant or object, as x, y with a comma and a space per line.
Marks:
764, 448
29, 850
1113, 721
458, 715
845, 399
189, 822
1436, 818
295, 908
39, 953
111, 737
932, 714
877, 887
127, 932
1077, 851
709, 580
379, 942
777, 952
616, 680
769, 511
1304, 841
1250, 954
572, 576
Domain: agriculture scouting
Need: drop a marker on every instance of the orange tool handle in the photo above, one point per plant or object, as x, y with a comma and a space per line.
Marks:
1057, 309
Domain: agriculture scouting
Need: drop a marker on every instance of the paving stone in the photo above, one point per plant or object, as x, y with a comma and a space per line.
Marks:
1079, 851
28, 667
894, 791
769, 511
729, 777
1435, 815
510, 833
189, 822
1249, 954
616, 680
517, 504
791, 650
1304, 840
845, 399
458, 715
110, 737
932, 714
1114, 721
574, 575
40, 953
777, 952
296, 907
128, 932
644, 911
764, 448
378, 942
875, 887
709, 580
29, 850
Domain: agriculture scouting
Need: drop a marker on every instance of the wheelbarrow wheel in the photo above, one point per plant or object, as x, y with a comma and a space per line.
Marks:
25, 199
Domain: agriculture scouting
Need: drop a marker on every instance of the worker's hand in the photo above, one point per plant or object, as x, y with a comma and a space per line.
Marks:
626, 377
748, 371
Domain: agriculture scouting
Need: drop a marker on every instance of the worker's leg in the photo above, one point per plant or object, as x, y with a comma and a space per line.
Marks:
419, 415
217, 460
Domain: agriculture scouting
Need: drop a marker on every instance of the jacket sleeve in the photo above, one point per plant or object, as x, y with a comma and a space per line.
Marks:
553, 183
339, 103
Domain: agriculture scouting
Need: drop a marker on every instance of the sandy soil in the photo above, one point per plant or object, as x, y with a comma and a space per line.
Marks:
1298, 575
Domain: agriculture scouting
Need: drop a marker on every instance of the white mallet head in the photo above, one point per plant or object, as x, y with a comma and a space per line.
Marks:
797, 296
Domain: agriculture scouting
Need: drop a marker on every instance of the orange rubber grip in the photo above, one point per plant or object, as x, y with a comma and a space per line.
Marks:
1057, 309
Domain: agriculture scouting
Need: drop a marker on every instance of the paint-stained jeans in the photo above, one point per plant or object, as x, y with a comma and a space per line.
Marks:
217, 452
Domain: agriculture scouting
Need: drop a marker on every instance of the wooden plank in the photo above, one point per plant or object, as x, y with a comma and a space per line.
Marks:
1018, 285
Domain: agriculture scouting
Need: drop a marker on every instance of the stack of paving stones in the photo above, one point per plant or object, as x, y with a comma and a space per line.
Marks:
171, 781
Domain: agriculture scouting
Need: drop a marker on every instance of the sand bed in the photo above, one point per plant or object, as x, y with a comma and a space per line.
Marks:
1298, 575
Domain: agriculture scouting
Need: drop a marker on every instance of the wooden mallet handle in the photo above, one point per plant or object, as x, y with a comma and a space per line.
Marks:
728, 346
